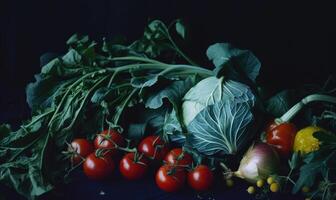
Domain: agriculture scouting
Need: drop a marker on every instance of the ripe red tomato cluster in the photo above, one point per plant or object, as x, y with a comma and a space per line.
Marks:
99, 161
172, 176
97, 158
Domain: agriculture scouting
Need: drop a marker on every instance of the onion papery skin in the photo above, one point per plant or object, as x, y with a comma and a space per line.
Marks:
260, 161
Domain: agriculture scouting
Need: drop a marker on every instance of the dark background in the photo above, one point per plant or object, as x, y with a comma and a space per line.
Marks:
295, 41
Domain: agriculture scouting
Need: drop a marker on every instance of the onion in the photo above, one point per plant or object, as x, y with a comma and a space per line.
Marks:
259, 162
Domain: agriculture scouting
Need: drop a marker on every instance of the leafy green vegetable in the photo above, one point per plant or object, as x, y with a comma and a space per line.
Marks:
210, 91
157, 40
4, 130
221, 127
180, 28
233, 62
280, 103
173, 93
173, 128
294, 161
151, 121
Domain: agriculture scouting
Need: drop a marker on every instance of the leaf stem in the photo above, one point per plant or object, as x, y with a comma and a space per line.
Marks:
112, 78
66, 94
179, 51
187, 67
38, 118
297, 107
134, 58
84, 101
117, 116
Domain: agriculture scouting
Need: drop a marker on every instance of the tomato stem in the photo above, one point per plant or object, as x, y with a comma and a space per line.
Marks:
130, 150
297, 107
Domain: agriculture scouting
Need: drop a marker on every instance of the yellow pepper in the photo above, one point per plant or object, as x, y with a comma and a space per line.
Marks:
304, 140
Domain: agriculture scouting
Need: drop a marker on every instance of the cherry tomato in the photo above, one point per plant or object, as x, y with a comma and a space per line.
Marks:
170, 179
79, 149
133, 168
98, 167
153, 147
200, 178
178, 158
282, 137
109, 139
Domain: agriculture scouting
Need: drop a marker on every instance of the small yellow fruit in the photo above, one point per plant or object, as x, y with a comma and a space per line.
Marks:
251, 190
260, 183
274, 187
229, 182
270, 180
304, 140
305, 189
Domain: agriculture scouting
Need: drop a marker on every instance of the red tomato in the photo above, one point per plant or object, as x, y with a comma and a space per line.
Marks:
153, 147
200, 178
79, 149
98, 167
133, 168
109, 139
178, 157
281, 137
170, 179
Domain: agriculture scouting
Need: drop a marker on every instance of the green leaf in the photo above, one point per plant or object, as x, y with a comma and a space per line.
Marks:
173, 93
228, 59
150, 122
4, 130
101, 94
120, 50
72, 40
281, 102
155, 40
172, 128
24, 175
147, 81
327, 139
72, 57
294, 161
53, 67
221, 128
25, 135
308, 175
23, 158
316, 165
150, 84
180, 28
76, 39
327, 119
42, 93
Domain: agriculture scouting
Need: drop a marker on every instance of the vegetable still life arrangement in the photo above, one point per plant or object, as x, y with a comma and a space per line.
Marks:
153, 107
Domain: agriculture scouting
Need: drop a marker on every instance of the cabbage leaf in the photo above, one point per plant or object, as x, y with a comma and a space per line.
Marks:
211, 90
221, 128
